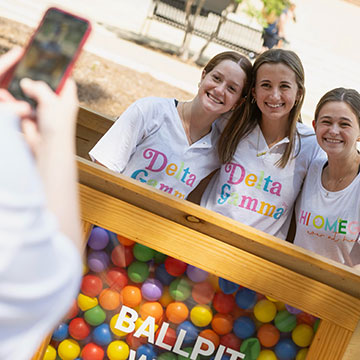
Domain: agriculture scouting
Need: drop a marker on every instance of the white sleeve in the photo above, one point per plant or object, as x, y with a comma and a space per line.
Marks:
40, 269
115, 148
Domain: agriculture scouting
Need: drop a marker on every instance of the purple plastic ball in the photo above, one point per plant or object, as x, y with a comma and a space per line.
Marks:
292, 310
195, 274
98, 260
99, 238
152, 289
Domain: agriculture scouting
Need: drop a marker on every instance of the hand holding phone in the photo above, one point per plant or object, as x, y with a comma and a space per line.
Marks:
51, 52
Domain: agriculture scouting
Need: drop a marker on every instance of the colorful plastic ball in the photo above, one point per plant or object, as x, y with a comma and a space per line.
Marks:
92, 351
302, 353
122, 255
222, 324
245, 298
125, 241
91, 285
177, 312
79, 329
292, 310
68, 349
116, 278
174, 266
109, 299
162, 275
251, 348
227, 286
203, 292
118, 350
265, 310
143, 253
98, 261
316, 325
285, 349
187, 350
191, 332
268, 335
86, 302
73, 311
50, 353
244, 327
140, 321
146, 350
180, 289
131, 296
231, 341
99, 238
302, 335
195, 274
210, 335
305, 318
135, 342
95, 316
113, 329
201, 315
285, 321
267, 355
153, 309
138, 271
61, 332
223, 303
152, 289
101, 335
169, 338
167, 356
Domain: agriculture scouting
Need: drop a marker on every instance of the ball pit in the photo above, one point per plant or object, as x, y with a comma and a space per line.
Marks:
124, 273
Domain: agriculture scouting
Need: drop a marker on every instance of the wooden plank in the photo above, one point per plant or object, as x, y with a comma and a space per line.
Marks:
330, 342
220, 227
353, 349
219, 258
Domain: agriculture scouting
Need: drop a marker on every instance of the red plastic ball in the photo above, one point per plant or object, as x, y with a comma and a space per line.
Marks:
116, 278
91, 285
122, 255
73, 311
79, 329
174, 266
169, 338
135, 342
92, 351
231, 341
223, 303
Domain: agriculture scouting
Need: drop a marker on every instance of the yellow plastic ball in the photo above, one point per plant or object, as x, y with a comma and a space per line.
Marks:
265, 310
118, 350
113, 329
68, 349
86, 302
271, 299
201, 315
50, 353
302, 335
301, 355
267, 355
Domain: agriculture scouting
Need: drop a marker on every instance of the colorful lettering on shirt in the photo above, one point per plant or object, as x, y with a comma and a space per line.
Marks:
320, 222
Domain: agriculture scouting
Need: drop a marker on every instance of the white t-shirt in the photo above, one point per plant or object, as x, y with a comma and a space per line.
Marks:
40, 269
149, 144
327, 222
253, 190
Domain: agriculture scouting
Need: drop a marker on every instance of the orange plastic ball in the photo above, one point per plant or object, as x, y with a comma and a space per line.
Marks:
203, 292
130, 296
125, 241
177, 312
222, 323
268, 335
109, 299
151, 308
210, 335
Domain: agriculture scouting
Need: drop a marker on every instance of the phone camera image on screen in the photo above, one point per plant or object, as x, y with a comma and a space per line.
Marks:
51, 51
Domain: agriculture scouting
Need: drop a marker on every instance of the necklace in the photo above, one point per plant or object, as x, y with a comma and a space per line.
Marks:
258, 154
186, 125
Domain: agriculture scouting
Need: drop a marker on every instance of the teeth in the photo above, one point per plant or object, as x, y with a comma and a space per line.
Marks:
333, 141
214, 99
274, 106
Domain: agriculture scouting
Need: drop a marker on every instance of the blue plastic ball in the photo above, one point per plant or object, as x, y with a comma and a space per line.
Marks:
148, 350
162, 275
285, 349
245, 298
192, 332
61, 332
227, 286
244, 327
102, 335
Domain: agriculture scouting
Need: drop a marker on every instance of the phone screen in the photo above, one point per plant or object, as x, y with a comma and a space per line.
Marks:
50, 52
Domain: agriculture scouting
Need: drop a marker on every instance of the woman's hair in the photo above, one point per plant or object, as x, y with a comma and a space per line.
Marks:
237, 58
348, 96
245, 118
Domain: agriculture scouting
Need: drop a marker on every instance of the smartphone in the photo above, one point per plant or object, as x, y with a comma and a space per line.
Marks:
51, 52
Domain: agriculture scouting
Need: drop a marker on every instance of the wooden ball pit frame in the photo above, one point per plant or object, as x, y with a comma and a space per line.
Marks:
220, 245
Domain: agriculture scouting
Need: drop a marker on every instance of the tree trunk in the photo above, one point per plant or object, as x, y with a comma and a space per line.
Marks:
229, 9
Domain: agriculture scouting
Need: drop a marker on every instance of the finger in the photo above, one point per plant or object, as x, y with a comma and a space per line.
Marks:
31, 134
69, 90
37, 90
21, 108
8, 60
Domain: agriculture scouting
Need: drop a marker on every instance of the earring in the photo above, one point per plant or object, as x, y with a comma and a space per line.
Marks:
296, 102
253, 100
